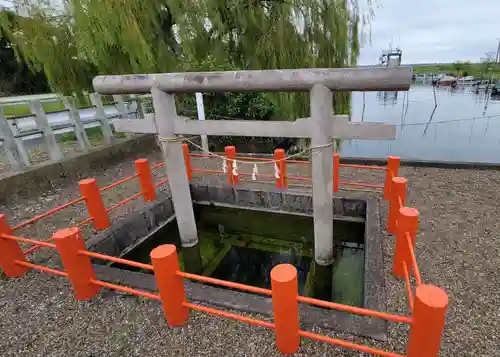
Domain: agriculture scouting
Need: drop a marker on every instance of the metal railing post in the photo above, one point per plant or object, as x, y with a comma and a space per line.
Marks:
170, 285
427, 327
78, 266
95, 205
279, 156
10, 251
407, 223
146, 179
398, 191
336, 172
231, 155
285, 307
187, 161
392, 171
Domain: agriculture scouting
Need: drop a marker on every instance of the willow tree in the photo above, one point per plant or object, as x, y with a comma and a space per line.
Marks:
77, 39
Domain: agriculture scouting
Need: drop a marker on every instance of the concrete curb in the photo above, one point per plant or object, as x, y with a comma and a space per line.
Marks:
48, 174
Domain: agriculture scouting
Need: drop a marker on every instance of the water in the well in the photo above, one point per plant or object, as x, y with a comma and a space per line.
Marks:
244, 245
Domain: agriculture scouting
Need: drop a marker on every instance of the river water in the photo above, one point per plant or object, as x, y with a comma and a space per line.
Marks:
465, 126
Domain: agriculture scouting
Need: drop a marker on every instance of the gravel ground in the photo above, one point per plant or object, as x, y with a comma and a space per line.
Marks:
457, 249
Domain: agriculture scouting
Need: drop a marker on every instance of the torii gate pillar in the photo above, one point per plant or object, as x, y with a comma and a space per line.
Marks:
322, 178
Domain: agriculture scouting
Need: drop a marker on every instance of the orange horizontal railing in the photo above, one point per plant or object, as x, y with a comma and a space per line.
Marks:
299, 162
347, 344
124, 201
85, 221
162, 182
48, 213
369, 167
281, 162
227, 284
250, 158
125, 289
160, 164
98, 214
298, 178
41, 268
355, 310
229, 315
413, 259
27, 240
119, 182
218, 172
428, 304
115, 259
406, 275
202, 155
91, 195
360, 184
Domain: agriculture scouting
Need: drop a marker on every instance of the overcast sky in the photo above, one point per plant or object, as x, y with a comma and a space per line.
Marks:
431, 31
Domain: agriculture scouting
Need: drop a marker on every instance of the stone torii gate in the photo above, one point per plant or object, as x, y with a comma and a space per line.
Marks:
321, 127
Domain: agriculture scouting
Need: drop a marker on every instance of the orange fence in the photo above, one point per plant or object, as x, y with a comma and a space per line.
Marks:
427, 303
92, 196
98, 213
427, 320
281, 178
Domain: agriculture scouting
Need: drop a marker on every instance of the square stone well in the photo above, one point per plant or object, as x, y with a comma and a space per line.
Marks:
130, 231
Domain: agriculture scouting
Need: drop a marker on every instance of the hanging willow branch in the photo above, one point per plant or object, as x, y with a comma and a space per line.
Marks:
73, 42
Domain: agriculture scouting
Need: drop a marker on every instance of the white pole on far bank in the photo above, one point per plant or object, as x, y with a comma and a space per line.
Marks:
201, 116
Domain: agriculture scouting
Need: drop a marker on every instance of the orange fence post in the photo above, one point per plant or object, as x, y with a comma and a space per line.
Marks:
187, 161
279, 156
427, 327
10, 251
78, 266
286, 307
407, 222
170, 285
392, 171
231, 155
95, 205
336, 172
398, 189
146, 179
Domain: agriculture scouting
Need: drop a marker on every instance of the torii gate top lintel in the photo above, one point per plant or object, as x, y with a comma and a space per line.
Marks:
275, 80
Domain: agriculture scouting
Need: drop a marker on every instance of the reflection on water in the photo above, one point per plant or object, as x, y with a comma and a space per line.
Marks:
253, 266
465, 126
348, 276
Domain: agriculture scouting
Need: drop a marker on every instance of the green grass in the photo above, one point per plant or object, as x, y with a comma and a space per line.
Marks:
24, 109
